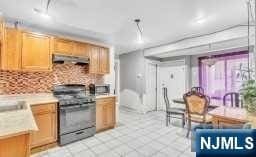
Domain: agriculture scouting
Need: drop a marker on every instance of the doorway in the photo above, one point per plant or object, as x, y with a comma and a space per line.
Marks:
151, 87
171, 75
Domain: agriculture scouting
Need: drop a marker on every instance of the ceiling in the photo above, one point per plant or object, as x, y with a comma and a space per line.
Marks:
111, 21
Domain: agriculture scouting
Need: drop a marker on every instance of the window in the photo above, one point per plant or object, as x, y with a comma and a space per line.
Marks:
226, 75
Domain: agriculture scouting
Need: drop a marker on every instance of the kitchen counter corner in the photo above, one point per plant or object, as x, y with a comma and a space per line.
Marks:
13, 123
105, 96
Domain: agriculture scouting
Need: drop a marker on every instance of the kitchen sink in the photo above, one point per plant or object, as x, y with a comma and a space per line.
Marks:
12, 106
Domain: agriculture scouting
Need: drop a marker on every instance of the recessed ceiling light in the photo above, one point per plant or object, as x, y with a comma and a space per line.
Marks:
200, 20
42, 13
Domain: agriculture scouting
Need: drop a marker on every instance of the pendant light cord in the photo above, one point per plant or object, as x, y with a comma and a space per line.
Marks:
47, 5
139, 28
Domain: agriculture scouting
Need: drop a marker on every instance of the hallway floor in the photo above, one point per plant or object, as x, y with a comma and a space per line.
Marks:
137, 135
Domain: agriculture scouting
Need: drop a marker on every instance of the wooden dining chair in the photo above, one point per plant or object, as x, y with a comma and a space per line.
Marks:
196, 108
172, 112
233, 98
198, 89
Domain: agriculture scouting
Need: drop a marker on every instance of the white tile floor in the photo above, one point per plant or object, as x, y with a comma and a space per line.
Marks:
137, 136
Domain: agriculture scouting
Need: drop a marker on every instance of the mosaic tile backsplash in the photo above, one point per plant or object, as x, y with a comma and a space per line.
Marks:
15, 82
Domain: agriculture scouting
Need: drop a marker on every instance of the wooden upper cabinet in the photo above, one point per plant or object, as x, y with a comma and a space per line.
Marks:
63, 47
25, 51
36, 52
94, 59
104, 61
81, 50
99, 60
11, 52
1, 32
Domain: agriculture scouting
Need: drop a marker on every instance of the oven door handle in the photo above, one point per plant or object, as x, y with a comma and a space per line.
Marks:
70, 107
80, 132
88, 105
77, 106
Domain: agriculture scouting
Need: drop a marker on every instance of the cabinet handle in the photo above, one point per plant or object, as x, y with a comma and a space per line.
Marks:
80, 132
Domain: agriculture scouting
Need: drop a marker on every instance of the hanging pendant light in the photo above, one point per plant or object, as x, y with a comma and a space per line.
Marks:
139, 37
211, 60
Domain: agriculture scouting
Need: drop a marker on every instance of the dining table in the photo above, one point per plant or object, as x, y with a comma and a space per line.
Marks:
224, 116
232, 117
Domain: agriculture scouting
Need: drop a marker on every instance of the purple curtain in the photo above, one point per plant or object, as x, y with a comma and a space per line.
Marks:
226, 75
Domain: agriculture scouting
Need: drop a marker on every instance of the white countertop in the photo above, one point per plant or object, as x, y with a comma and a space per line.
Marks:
31, 99
16, 122
21, 121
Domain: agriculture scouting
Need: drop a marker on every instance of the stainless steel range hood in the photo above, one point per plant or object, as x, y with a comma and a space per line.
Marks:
70, 59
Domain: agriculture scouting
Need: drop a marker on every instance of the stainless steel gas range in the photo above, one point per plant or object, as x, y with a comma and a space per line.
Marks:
77, 112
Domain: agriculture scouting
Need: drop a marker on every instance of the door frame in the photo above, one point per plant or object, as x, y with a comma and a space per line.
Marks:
176, 62
117, 86
154, 63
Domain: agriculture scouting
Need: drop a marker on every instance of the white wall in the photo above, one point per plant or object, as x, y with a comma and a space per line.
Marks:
133, 75
132, 83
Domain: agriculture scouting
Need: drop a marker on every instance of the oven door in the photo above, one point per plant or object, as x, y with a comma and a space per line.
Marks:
77, 117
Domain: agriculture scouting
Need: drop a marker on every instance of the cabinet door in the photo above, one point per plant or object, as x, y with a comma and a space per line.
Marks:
102, 121
15, 146
63, 47
1, 40
94, 59
36, 52
11, 54
104, 61
110, 109
99, 117
81, 50
105, 114
46, 119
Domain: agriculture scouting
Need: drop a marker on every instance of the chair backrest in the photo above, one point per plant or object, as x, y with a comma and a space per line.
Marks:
198, 89
233, 98
166, 100
196, 103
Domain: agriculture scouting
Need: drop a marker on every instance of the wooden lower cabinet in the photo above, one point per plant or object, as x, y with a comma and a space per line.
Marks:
15, 146
105, 113
46, 119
